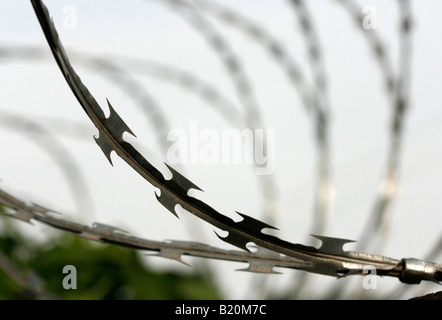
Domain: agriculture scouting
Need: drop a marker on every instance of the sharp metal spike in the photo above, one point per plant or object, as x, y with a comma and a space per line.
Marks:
168, 201
105, 145
169, 254
115, 124
322, 260
252, 224
106, 229
182, 181
332, 245
259, 268
234, 239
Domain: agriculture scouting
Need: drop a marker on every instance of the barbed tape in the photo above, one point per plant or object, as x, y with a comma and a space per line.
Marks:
261, 261
329, 259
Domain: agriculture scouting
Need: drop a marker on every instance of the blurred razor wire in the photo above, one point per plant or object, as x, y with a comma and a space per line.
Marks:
137, 66
126, 67
375, 230
321, 109
56, 150
253, 119
397, 91
380, 219
243, 87
130, 86
125, 82
314, 98
269, 42
314, 101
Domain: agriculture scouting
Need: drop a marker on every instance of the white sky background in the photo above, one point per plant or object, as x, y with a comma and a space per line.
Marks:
150, 30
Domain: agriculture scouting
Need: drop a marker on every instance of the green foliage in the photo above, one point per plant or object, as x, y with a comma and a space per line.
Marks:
103, 272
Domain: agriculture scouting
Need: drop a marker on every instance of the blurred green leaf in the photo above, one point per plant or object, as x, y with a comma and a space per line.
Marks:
103, 271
